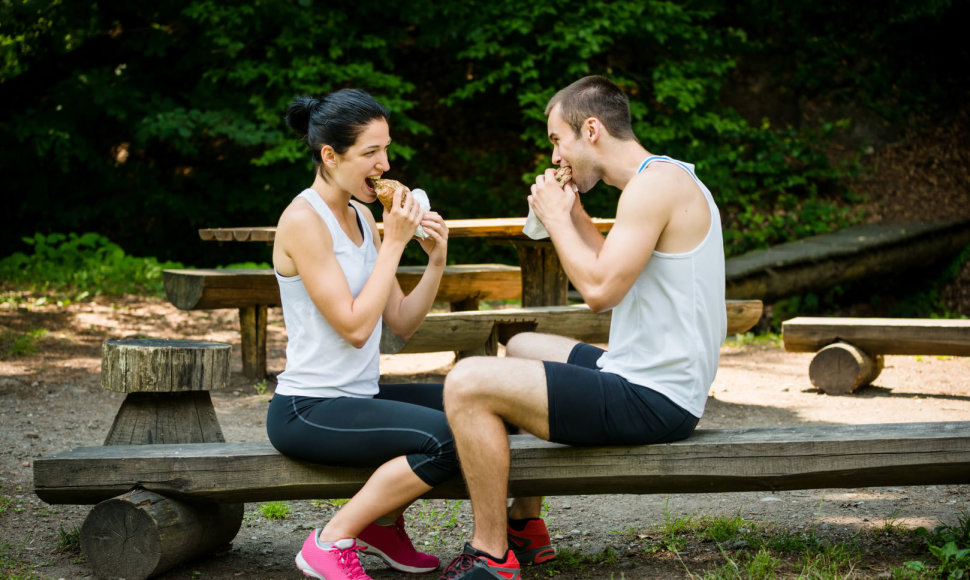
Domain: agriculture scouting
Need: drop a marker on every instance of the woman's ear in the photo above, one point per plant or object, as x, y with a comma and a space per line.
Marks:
328, 156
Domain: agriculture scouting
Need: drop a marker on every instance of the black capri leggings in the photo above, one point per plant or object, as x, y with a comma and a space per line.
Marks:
401, 420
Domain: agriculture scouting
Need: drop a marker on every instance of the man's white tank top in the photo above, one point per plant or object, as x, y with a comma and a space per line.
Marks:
666, 333
319, 362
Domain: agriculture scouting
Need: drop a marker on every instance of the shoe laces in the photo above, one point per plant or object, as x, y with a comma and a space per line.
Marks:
350, 562
460, 564
402, 534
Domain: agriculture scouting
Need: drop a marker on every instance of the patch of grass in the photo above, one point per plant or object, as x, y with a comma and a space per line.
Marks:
69, 540
5, 503
11, 565
275, 510
439, 515
21, 344
260, 387
772, 339
949, 545
336, 503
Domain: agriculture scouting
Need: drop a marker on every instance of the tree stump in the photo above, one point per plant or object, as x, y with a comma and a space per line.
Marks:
841, 368
141, 534
168, 384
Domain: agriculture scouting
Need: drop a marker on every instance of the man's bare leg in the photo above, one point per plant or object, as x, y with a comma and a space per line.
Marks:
480, 394
535, 346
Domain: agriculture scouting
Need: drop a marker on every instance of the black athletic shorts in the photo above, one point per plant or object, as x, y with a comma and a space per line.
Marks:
590, 407
401, 420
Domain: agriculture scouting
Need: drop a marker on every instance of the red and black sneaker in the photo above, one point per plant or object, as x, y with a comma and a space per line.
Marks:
474, 565
531, 543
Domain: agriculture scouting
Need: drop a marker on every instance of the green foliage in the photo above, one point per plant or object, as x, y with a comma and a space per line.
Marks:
19, 344
145, 122
950, 545
275, 510
85, 265
69, 540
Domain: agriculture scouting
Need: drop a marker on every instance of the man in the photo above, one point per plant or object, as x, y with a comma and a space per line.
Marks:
661, 270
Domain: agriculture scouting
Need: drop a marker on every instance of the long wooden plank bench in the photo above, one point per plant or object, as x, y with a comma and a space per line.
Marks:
480, 331
850, 350
253, 291
465, 330
178, 493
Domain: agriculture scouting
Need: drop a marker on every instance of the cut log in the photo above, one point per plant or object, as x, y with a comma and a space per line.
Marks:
879, 335
153, 418
841, 368
164, 366
141, 534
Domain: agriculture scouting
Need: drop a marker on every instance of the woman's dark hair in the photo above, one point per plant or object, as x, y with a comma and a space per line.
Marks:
335, 120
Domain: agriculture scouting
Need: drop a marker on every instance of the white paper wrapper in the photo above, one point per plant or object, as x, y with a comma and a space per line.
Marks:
534, 228
422, 198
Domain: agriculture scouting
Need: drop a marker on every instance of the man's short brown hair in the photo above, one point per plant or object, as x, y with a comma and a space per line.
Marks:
594, 96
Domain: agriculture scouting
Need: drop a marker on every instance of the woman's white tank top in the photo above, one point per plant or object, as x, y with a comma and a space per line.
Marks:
666, 333
319, 362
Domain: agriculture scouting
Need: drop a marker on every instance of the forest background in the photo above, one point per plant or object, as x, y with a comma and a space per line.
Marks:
140, 123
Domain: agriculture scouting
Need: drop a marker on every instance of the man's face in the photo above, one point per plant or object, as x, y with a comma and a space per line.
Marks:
570, 149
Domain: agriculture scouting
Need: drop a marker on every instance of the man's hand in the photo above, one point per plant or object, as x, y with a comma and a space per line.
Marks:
551, 202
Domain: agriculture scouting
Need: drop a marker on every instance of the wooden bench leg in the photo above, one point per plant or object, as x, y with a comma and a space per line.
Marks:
141, 534
841, 368
252, 327
152, 418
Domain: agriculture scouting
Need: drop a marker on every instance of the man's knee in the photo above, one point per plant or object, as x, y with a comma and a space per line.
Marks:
519, 344
465, 380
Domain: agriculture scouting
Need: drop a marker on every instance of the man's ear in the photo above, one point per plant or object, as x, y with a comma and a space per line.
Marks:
592, 129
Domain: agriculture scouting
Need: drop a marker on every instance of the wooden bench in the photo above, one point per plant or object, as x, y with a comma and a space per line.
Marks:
850, 350
465, 330
480, 331
177, 494
253, 291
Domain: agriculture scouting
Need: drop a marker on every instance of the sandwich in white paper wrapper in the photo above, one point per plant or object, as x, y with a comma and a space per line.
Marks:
385, 193
533, 227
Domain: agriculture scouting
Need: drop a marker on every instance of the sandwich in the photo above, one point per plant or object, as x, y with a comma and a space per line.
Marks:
564, 174
385, 191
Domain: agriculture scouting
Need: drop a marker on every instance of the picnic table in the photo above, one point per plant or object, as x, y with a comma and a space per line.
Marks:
544, 282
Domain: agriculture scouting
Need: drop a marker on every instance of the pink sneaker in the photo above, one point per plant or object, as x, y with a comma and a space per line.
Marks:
337, 563
392, 544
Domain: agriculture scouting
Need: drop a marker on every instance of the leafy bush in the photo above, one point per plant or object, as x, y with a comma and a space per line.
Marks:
88, 264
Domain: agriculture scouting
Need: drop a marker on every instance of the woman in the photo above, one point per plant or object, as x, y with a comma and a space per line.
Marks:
338, 283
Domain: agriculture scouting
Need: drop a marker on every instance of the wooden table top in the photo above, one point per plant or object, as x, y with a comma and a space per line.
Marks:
468, 228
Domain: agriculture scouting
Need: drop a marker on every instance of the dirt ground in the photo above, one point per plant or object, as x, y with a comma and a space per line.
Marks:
52, 401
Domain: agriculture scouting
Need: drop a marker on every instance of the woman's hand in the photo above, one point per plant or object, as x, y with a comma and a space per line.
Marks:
401, 222
436, 244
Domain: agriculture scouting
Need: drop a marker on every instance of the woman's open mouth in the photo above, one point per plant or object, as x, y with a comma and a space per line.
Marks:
371, 183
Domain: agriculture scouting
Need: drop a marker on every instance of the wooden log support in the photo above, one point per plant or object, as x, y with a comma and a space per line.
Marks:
721, 460
168, 384
850, 350
841, 368
141, 534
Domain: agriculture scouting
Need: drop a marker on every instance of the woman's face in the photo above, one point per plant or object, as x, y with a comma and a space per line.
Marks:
365, 159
